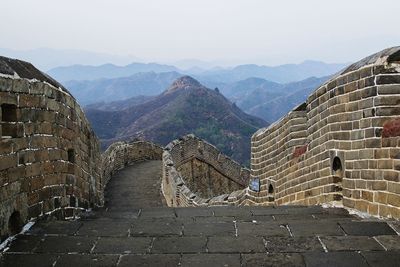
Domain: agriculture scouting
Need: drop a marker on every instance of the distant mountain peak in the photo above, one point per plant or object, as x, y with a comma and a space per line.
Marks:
183, 82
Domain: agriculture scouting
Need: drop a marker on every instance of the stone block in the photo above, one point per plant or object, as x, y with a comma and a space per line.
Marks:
388, 89
179, 245
391, 176
387, 111
367, 228
373, 143
380, 197
393, 200
387, 100
8, 161
350, 243
388, 79
377, 185
385, 164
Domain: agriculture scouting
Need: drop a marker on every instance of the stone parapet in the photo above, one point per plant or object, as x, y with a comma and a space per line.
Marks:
49, 155
195, 173
341, 145
122, 154
50, 159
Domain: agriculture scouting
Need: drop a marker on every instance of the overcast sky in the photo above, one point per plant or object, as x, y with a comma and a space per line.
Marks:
240, 31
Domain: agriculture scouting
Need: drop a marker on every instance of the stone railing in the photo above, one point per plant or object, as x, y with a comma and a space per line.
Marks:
195, 173
341, 146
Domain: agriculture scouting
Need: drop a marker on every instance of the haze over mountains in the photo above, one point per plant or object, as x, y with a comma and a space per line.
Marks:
107, 90
269, 100
185, 107
258, 96
281, 74
48, 58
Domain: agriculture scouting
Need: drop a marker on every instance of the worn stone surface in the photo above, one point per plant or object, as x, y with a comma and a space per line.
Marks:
381, 258
184, 244
28, 260
230, 244
120, 245
273, 260
156, 228
209, 229
389, 242
142, 235
150, 260
318, 228
350, 243
343, 259
262, 229
211, 260
292, 244
66, 244
367, 228
87, 260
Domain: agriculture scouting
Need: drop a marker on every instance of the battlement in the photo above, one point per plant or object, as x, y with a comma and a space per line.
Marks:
341, 145
195, 173
50, 159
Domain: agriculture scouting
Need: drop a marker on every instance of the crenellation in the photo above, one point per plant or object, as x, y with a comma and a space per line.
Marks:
195, 173
351, 118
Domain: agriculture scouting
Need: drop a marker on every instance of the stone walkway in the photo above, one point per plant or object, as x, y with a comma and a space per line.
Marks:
135, 230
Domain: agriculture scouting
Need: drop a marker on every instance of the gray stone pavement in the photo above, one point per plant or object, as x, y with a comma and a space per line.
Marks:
135, 229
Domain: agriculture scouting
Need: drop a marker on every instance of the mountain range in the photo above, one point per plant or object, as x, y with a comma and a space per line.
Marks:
256, 96
107, 90
106, 71
280, 74
48, 58
269, 100
185, 107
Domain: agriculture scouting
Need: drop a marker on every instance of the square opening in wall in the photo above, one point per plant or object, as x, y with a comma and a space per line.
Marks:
8, 113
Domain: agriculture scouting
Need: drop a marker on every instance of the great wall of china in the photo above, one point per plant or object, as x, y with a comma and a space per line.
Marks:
50, 160
341, 145
195, 173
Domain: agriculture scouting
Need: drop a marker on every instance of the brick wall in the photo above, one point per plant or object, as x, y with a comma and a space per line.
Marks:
50, 160
121, 154
195, 173
341, 145
49, 155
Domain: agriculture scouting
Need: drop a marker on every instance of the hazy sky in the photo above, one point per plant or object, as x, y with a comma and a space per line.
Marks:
241, 31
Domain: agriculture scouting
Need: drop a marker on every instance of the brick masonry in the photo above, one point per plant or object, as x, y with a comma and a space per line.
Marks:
50, 161
195, 173
121, 154
341, 145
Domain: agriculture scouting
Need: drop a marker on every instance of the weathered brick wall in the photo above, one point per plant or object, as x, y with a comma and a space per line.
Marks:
50, 161
195, 173
121, 154
49, 155
341, 145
